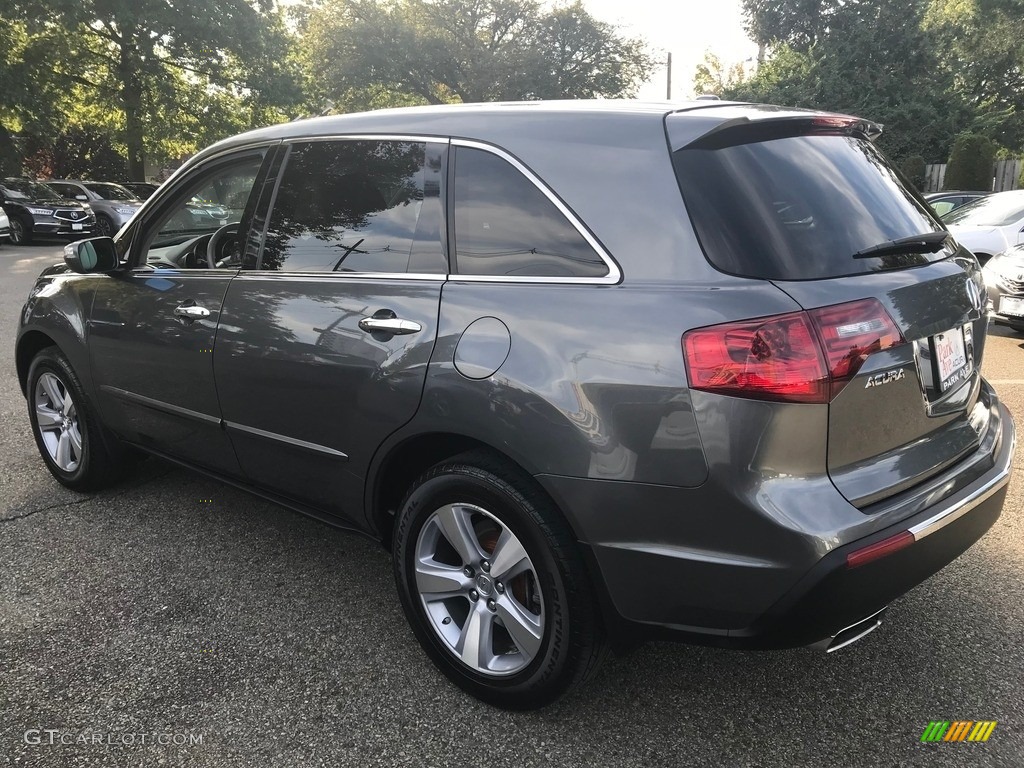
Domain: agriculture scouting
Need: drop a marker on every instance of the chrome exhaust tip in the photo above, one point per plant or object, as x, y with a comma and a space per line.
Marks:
851, 634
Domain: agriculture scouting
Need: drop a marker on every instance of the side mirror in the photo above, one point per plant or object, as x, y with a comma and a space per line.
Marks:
96, 255
83, 198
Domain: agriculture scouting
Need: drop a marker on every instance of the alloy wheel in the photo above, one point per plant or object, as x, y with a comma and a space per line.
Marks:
479, 589
58, 423
17, 231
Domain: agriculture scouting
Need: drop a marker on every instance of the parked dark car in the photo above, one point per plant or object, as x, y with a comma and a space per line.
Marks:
1004, 278
113, 204
143, 190
593, 371
944, 202
35, 209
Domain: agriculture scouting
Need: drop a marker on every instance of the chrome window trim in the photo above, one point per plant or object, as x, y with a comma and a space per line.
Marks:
614, 275
265, 273
369, 137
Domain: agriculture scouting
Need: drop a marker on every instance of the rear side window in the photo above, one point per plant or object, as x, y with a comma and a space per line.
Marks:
799, 207
358, 206
505, 226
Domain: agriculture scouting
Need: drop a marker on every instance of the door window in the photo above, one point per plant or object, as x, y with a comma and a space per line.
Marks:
506, 226
358, 206
207, 208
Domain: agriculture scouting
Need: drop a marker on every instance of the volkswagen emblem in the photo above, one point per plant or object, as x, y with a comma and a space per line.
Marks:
974, 294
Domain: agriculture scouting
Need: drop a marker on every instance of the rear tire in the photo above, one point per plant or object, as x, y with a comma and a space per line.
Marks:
21, 233
1018, 327
76, 448
493, 583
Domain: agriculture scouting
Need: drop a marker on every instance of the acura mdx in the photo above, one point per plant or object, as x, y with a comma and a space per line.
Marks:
594, 372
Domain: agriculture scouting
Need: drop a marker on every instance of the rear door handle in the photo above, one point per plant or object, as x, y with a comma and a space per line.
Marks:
393, 325
191, 312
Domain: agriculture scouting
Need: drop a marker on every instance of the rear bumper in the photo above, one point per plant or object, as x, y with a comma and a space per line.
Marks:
657, 587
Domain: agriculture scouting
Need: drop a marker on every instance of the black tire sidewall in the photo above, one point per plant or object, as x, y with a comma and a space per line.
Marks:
52, 361
545, 676
104, 225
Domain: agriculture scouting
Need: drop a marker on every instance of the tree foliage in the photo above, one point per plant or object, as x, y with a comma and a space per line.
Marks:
970, 163
139, 66
436, 51
926, 69
914, 168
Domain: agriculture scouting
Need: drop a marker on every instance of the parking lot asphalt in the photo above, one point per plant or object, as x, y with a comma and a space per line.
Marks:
174, 609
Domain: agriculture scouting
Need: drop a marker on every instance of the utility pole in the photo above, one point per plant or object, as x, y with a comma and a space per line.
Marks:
668, 90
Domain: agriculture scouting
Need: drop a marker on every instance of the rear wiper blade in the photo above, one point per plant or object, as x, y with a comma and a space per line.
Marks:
928, 242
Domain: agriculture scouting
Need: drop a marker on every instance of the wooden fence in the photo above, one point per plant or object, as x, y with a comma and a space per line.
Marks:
1005, 175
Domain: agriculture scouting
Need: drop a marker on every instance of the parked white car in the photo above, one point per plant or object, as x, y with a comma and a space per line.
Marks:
1004, 282
5, 226
990, 225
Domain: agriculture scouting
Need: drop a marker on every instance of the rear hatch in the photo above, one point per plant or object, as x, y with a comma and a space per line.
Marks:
892, 305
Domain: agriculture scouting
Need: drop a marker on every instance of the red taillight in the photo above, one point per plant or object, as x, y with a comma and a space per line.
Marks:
777, 358
849, 333
801, 357
879, 549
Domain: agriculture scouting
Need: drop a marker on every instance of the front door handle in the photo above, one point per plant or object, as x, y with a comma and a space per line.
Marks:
395, 325
191, 312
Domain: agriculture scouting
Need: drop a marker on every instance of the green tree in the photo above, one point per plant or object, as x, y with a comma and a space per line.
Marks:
134, 60
982, 48
971, 162
872, 58
365, 52
713, 77
914, 168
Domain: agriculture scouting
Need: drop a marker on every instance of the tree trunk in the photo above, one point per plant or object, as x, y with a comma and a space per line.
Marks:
131, 97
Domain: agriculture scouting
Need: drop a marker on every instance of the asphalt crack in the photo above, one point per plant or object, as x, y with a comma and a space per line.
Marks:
84, 499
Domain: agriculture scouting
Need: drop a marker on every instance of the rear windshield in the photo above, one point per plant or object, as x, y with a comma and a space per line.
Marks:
994, 211
800, 207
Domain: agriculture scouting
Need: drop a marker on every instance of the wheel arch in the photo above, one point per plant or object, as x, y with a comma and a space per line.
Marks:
30, 344
399, 463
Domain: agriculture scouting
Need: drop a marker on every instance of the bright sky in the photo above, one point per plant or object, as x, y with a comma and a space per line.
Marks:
687, 28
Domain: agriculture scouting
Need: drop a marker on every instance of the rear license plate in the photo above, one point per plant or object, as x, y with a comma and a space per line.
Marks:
1011, 305
950, 357
76, 226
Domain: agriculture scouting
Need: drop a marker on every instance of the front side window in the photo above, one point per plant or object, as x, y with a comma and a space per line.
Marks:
208, 206
505, 226
358, 206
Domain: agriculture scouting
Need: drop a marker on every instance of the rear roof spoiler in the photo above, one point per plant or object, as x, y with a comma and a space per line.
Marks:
713, 127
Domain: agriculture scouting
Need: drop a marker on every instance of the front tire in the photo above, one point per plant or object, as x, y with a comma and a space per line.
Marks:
21, 233
493, 584
70, 438
1018, 327
104, 226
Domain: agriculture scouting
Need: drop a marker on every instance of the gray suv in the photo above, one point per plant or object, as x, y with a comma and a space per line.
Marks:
112, 203
594, 372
